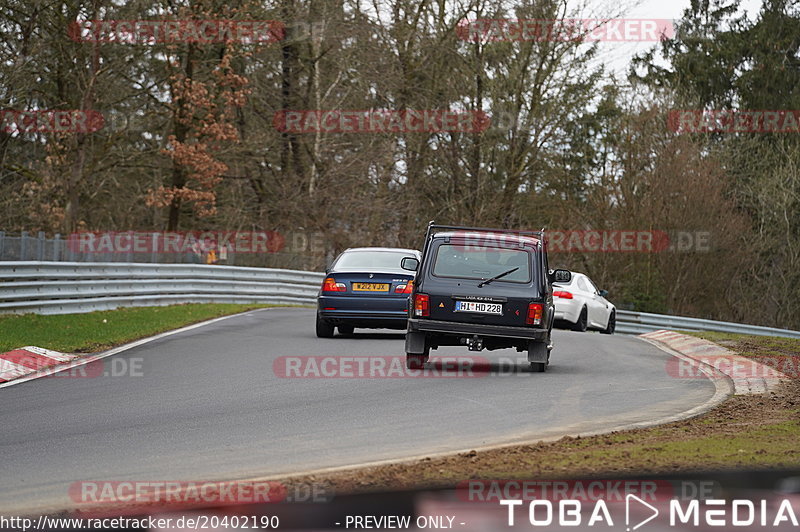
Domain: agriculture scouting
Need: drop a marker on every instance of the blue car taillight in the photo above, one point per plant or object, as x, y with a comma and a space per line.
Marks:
330, 285
404, 288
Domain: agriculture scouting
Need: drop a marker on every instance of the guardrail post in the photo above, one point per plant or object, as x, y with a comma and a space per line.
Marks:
23, 245
154, 247
2, 243
40, 246
57, 246
69, 244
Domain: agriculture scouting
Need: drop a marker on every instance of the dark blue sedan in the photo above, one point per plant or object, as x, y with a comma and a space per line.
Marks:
365, 288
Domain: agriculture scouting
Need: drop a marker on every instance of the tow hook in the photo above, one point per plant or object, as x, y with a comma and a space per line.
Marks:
475, 343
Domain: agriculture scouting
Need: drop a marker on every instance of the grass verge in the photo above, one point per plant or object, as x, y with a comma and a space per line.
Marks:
743, 432
97, 331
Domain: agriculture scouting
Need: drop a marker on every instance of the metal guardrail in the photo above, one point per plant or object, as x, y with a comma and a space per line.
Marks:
300, 250
629, 322
74, 287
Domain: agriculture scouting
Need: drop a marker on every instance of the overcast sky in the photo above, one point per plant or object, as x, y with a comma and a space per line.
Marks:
617, 55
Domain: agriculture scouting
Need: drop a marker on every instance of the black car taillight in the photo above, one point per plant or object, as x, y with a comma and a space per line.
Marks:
534, 314
422, 305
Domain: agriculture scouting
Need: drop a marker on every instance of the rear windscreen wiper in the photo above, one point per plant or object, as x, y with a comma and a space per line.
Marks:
498, 276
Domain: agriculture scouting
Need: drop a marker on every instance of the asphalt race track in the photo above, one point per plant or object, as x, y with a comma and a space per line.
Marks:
208, 406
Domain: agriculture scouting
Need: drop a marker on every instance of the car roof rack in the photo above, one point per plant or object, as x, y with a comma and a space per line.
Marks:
433, 227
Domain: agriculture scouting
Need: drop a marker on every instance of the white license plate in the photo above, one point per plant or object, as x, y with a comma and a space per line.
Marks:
480, 308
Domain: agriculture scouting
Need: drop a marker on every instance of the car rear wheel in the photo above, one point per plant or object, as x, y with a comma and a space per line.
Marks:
583, 321
324, 328
346, 330
538, 367
612, 324
419, 342
415, 361
538, 355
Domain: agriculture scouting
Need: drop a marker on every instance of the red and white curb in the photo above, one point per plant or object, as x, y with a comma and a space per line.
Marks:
26, 360
755, 380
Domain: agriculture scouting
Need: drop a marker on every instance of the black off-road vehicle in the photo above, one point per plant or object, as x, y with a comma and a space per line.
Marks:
483, 288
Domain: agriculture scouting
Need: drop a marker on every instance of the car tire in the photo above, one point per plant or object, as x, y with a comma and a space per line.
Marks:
583, 321
538, 367
612, 324
346, 330
414, 361
324, 328
417, 360
538, 355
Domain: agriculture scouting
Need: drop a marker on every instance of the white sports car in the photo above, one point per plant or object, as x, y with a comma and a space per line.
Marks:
580, 305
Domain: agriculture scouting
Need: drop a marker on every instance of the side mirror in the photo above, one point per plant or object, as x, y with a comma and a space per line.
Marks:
409, 263
603, 293
561, 276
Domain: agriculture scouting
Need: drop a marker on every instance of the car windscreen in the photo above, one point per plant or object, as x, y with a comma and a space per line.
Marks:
371, 260
469, 262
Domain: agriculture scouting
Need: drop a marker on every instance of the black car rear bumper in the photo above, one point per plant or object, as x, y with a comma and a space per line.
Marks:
452, 328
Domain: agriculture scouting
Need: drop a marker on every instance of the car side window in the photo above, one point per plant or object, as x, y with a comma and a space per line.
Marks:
582, 285
592, 287
545, 266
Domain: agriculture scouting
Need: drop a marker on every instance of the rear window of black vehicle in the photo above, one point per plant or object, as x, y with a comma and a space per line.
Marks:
469, 262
